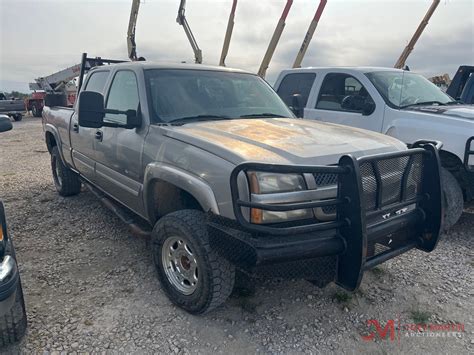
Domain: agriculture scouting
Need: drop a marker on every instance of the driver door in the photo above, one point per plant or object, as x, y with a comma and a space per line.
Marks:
331, 104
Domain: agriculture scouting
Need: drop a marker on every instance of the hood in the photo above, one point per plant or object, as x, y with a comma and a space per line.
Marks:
282, 140
457, 111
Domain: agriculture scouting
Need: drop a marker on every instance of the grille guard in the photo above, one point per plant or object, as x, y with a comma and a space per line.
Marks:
420, 226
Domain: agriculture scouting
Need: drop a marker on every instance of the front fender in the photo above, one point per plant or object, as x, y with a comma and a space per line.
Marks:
182, 179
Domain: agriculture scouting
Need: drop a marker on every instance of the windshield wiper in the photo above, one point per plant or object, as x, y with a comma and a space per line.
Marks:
199, 118
264, 114
425, 103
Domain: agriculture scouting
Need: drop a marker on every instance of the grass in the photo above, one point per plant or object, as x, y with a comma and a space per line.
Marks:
342, 297
420, 317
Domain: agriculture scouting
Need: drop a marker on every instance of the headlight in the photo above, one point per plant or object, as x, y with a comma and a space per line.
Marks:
262, 183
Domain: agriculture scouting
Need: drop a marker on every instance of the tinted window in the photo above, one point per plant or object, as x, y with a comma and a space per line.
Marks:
178, 94
97, 81
297, 83
123, 95
337, 87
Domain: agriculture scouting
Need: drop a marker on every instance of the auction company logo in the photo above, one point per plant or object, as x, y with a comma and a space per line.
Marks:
410, 330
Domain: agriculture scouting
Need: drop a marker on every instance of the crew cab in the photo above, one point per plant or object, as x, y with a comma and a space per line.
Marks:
395, 102
229, 181
12, 107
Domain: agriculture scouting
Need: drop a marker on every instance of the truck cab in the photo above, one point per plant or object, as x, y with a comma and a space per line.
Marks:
397, 103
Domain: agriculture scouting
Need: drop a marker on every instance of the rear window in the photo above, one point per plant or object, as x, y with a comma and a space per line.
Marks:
97, 81
297, 83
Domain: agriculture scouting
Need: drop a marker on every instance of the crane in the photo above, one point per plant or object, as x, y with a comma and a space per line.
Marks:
309, 34
274, 41
132, 47
408, 49
228, 34
181, 19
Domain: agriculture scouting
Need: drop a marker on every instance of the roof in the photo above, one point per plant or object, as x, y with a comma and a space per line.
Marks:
357, 69
186, 66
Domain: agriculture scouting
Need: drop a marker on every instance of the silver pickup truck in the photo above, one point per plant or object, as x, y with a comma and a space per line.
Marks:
230, 183
12, 107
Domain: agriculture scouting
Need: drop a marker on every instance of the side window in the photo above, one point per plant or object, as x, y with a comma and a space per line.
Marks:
297, 83
342, 92
97, 81
123, 95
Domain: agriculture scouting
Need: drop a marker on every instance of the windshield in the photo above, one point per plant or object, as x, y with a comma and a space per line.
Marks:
199, 94
401, 89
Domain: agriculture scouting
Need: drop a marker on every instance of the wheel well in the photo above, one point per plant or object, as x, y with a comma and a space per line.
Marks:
165, 198
454, 165
50, 141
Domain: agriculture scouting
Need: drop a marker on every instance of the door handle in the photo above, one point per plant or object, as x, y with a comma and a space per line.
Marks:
75, 127
99, 136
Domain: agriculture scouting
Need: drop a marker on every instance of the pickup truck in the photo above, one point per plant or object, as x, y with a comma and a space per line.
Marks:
13, 321
395, 102
229, 181
12, 107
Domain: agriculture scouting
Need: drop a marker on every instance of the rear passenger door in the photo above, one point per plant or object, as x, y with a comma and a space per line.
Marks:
82, 138
344, 99
296, 83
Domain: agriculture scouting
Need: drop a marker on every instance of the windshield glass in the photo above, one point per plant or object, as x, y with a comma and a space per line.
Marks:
402, 89
179, 94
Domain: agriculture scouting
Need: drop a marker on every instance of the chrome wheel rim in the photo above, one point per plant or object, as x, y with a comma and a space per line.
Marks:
180, 264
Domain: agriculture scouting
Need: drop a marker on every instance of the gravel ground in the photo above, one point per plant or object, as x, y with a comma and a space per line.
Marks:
91, 287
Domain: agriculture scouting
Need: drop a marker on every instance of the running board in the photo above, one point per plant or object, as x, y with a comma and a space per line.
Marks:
137, 227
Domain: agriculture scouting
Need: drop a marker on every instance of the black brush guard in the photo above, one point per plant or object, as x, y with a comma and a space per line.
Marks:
467, 154
359, 238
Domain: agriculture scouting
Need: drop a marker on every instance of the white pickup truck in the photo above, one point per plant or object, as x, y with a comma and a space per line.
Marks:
395, 102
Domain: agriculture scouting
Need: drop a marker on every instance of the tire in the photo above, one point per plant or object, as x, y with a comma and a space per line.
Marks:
66, 181
13, 323
35, 110
18, 117
209, 278
453, 199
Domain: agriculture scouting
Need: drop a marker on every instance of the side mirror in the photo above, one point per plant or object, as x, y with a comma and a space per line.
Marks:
368, 108
296, 105
91, 109
358, 103
91, 112
5, 123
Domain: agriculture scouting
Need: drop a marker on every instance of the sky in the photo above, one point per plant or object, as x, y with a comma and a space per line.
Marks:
40, 37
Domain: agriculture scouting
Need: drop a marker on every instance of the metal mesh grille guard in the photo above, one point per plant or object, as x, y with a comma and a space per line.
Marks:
386, 204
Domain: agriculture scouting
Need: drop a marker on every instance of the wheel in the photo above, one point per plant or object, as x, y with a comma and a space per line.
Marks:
13, 323
18, 117
453, 199
193, 276
35, 110
66, 181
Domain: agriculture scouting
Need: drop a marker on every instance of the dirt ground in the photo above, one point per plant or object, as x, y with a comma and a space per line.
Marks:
91, 287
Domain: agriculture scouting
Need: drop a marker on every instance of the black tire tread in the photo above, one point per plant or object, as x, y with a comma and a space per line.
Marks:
453, 199
13, 324
222, 271
71, 185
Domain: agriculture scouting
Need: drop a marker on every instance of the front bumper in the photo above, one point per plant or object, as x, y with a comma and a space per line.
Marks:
364, 233
9, 274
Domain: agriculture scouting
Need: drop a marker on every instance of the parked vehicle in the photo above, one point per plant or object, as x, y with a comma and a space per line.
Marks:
12, 305
35, 103
462, 85
233, 182
398, 103
12, 107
